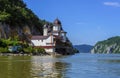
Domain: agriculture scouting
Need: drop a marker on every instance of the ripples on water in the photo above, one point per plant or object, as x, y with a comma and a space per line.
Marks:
76, 66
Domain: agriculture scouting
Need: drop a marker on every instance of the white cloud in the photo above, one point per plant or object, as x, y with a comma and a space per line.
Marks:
114, 4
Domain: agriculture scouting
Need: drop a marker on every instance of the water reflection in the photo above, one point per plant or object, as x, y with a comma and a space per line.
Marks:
77, 66
49, 67
32, 67
15, 67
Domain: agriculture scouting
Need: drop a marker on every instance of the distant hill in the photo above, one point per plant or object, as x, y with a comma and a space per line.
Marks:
111, 45
83, 48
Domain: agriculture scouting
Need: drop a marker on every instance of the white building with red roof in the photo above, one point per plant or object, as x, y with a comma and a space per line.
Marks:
48, 40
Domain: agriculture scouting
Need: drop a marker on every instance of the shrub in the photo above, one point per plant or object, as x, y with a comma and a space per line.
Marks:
39, 50
3, 50
28, 49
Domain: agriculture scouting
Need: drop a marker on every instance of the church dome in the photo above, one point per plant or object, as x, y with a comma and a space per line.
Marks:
57, 22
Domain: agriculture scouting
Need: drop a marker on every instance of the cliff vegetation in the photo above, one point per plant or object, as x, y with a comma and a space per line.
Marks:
17, 19
111, 45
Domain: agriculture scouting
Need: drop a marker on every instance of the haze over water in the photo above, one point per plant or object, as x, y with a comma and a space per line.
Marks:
76, 66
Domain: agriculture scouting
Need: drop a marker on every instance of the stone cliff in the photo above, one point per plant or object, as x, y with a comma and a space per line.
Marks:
7, 31
111, 45
18, 20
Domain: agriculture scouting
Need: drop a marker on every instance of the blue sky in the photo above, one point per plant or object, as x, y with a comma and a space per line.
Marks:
86, 21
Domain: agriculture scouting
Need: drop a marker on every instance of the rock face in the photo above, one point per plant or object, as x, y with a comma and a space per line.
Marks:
111, 45
18, 20
7, 31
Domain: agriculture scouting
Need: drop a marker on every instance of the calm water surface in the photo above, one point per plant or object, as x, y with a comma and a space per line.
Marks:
76, 66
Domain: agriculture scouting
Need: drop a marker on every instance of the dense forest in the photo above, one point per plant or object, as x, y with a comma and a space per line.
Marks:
15, 12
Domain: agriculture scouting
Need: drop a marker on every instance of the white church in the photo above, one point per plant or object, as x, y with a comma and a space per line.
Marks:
48, 40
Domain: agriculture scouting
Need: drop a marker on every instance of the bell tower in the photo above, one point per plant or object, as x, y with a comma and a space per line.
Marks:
63, 35
57, 25
45, 30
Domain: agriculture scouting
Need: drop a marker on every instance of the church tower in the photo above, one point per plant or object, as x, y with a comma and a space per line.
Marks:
63, 35
45, 30
56, 27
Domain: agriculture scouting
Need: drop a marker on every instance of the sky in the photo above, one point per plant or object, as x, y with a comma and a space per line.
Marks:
85, 21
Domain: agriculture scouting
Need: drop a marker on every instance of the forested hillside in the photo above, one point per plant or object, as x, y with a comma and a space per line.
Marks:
17, 19
111, 45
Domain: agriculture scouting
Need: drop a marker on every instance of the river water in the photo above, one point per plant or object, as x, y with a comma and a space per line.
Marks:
75, 66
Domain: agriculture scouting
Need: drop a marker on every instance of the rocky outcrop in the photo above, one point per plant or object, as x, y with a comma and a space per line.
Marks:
7, 31
18, 20
111, 45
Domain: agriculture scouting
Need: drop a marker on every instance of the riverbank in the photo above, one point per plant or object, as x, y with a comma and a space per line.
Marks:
23, 54
34, 54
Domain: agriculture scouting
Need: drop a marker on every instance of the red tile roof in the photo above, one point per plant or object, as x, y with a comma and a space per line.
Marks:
39, 37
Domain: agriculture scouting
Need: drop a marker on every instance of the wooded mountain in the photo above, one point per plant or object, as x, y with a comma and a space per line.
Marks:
111, 45
17, 20
83, 48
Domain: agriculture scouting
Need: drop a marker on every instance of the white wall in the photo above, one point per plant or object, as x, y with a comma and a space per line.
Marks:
50, 50
43, 42
56, 34
56, 28
45, 32
64, 37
